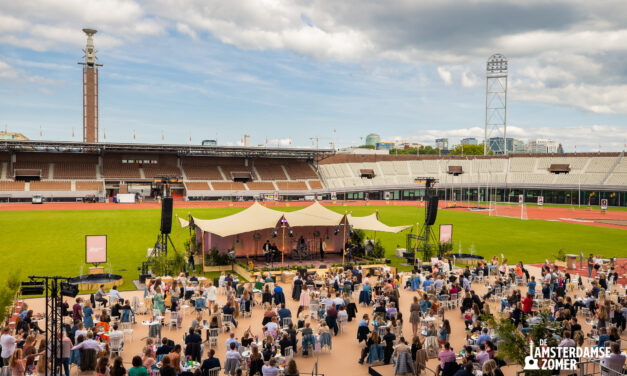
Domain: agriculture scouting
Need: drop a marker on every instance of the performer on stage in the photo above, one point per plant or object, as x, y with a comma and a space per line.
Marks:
267, 250
323, 249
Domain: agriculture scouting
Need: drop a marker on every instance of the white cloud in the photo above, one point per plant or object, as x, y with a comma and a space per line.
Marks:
445, 76
7, 71
280, 142
469, 79
184, 28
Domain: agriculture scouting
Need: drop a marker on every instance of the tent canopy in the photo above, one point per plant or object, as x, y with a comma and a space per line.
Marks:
372, 223
258, 217
253, 218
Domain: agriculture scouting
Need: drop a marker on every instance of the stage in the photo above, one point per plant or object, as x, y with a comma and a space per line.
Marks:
329, 259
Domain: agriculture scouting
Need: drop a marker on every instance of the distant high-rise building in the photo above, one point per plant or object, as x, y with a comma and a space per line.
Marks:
14, 136
441, 143
497, 146
543, 146
519, 146
373, 139
246, 140
469, 141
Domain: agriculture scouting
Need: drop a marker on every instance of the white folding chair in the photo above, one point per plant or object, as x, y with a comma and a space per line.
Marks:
115, 346
128, 332
214, 333
342, 322
214, 372
289, 353
174, 318
227, 322
286, 321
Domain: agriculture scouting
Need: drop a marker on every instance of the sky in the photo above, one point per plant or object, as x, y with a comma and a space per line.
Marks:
307, 73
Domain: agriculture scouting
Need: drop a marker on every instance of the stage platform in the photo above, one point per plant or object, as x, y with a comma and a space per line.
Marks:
329, 259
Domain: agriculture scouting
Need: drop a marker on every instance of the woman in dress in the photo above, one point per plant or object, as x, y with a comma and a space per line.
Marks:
305, 298
414, 316
88, 312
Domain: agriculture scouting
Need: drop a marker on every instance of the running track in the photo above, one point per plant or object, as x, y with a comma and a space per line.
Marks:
580, 216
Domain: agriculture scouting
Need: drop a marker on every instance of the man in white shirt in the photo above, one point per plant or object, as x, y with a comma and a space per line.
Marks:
117, 334
270, 370
89, 344
8, 343
328, 301
114, 294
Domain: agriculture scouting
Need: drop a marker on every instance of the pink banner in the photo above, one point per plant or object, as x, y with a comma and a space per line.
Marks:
446, 233
95, 249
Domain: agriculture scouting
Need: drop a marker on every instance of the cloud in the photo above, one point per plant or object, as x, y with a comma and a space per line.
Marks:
280, 142
469, 79
445, 76
186, 30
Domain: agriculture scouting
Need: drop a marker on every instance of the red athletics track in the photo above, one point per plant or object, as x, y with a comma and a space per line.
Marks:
574, 215
193, 204
621, 269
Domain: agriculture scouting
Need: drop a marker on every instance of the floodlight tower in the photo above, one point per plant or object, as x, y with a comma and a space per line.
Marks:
90, 89
496, 103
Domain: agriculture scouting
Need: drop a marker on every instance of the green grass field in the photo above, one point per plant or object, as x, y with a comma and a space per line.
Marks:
52, 242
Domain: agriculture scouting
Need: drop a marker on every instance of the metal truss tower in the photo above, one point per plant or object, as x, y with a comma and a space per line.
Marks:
496, 105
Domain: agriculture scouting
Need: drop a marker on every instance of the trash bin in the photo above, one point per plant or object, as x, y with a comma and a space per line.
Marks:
571, 261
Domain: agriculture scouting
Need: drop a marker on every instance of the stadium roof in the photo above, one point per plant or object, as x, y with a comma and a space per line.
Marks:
183, 150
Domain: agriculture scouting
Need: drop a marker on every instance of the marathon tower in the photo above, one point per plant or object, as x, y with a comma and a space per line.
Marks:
90, 89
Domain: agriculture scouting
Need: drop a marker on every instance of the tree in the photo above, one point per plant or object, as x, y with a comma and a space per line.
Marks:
469, 150
413, 151
366, 147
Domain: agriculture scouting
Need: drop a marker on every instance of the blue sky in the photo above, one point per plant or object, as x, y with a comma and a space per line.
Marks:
283, 71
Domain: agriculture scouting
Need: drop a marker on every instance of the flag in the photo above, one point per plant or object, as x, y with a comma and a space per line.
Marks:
134, 138
266, 140
190, 137
162, 135
72, 132
41, 132
104, 133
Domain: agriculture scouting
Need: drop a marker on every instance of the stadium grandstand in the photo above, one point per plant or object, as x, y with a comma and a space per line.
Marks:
67, 171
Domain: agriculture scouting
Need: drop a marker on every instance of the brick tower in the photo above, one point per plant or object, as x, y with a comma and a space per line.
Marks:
90, 89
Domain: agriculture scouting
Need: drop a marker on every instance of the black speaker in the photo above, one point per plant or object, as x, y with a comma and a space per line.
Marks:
432, 210
166, 215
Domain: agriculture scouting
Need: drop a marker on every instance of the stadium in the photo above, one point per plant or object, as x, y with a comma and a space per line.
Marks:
63, 171
160, 259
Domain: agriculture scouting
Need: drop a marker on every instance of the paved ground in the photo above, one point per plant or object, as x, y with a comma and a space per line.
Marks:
342, 360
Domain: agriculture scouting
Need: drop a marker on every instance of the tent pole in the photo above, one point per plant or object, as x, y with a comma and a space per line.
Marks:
283, 248
344, 244
202, 242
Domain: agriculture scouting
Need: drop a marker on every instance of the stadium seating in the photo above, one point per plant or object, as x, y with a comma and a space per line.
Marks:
12, 185
166, 165
299, 170
89, 186
292, 185
201, 168
261, 186
227, 186
36, 186
270, 169
114, 168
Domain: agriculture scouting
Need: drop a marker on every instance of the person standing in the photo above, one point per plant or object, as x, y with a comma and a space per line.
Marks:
8, 343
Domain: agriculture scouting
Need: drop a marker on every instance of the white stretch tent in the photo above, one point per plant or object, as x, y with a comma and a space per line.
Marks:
258, 217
